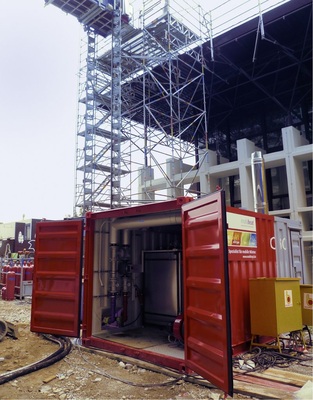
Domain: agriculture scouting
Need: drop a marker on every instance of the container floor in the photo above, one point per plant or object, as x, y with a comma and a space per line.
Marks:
154, 339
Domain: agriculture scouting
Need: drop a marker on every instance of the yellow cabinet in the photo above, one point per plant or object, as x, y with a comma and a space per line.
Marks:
275, 306
307, 304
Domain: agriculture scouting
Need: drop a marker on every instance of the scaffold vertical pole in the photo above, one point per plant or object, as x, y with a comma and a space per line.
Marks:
116, 123
89, 123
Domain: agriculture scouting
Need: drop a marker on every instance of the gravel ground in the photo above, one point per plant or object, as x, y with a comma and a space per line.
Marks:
82, 374
85, 374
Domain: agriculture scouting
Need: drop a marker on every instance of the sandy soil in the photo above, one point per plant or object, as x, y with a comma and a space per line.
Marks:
81, 374
89, 374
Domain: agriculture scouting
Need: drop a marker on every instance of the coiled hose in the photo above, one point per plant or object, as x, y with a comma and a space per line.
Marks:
65, 346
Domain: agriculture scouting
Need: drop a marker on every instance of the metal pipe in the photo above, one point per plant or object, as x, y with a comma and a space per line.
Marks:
113, 308
125, 299
259, 183
113, 281
146, 221
126, 237
138, 222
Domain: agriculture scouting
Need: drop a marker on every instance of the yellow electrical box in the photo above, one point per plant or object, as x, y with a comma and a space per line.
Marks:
275, 306
307, 304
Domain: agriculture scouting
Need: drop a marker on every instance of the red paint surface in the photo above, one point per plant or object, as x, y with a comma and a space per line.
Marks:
206, 300
240, 271
57, 278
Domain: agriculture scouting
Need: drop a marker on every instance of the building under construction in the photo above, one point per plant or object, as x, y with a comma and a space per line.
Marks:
174, 99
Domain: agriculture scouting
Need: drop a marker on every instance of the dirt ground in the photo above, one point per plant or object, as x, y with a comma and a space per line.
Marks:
83, 374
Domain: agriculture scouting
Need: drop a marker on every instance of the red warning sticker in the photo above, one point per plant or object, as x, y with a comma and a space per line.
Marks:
308, 301
288, 298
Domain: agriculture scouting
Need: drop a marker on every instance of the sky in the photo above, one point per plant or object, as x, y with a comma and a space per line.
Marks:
40, 49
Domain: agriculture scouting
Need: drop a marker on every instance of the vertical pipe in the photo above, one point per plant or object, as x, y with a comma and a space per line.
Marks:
125, 299
113, 281
259, 183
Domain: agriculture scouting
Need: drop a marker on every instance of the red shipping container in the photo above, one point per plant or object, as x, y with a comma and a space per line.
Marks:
150, 264
253, 256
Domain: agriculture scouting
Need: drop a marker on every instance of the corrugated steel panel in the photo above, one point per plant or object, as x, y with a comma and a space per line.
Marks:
57, 278
257, 259
289, 248
145, 209
206, 311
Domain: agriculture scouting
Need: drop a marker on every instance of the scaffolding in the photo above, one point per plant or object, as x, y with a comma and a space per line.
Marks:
171, 103
142, 106
143, 119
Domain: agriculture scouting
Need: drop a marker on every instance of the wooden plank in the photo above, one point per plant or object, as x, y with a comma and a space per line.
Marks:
260, 392
300, 379
49, 378
275, 375
265, 382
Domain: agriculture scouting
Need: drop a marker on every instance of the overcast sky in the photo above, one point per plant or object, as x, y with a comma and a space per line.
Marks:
39, 49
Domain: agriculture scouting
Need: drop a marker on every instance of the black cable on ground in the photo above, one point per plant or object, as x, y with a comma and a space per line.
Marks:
267, 358
65, 347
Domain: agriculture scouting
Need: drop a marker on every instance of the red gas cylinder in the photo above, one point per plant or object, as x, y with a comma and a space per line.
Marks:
25, 267
5, 269
18, 270
28, 273
10, 285
2, 274
4, 293
31, 272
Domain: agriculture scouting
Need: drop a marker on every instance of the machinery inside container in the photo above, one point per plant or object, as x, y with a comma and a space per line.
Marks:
137, 282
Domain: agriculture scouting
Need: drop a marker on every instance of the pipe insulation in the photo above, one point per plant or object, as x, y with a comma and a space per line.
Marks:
126, 237
143, 222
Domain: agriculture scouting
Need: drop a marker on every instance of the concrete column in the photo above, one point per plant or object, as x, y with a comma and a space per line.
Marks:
294, 170
174, 167
208, 158
146, 175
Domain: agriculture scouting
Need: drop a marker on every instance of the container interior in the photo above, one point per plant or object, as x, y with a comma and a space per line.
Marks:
137, 282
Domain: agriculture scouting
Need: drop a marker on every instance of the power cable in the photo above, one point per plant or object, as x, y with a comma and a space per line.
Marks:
262, 359
65, 347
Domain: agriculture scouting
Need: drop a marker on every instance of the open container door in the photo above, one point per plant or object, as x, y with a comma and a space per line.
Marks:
207, 327
57, 278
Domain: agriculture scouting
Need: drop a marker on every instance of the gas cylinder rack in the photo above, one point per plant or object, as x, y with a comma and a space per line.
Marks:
16, 277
